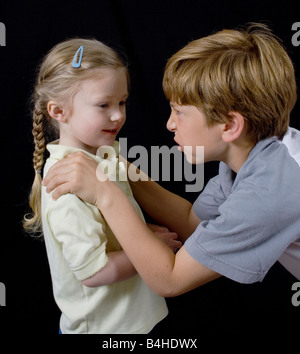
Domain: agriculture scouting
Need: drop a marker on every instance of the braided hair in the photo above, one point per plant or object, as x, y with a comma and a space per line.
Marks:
59, 80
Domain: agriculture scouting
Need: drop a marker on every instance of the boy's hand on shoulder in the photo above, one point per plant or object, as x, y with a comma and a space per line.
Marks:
77, 174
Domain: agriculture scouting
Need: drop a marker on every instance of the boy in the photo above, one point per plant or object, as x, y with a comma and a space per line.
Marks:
231, 92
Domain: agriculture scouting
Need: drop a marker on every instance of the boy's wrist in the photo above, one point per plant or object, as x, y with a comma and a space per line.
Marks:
104, 194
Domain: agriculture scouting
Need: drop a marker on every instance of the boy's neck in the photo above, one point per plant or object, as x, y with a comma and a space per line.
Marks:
237, 154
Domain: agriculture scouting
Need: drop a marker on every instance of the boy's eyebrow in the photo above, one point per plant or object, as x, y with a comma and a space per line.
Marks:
174, 104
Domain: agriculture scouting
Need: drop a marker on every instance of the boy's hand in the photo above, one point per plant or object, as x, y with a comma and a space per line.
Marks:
75, 174
171, 239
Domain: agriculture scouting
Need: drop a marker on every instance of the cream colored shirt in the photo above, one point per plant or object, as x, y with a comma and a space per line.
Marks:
77, 241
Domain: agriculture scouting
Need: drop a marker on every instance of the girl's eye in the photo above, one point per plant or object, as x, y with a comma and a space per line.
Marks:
103, 105
123, 103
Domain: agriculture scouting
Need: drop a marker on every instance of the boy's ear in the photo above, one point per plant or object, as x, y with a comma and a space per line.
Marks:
56, 111
234, 128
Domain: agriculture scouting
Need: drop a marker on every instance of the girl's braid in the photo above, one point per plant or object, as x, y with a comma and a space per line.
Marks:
39, 141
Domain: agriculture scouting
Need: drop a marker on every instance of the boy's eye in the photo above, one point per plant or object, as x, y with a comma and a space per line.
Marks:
175, 110
103, 105
123, 103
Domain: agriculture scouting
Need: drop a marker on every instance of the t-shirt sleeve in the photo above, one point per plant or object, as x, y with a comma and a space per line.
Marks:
246, 238
206, 206
80, 230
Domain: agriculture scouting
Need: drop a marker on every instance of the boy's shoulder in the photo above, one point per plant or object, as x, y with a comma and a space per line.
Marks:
270, 178
272, 157
270, 162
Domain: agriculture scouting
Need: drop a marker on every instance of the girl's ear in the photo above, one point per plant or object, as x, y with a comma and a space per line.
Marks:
56, 111
232, 130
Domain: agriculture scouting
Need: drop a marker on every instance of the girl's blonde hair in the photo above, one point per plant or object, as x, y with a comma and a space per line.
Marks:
246, 71
59, 80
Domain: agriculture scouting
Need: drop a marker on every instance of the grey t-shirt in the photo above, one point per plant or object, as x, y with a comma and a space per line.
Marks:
248, 218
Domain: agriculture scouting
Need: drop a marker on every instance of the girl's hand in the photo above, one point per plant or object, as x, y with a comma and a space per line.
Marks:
171, 239
77, 174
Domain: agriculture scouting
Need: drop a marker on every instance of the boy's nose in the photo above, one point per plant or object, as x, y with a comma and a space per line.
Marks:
171, 125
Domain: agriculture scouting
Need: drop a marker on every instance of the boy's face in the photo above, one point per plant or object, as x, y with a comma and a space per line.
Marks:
190, 128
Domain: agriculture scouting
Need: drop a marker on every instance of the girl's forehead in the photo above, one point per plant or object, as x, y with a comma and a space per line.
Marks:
104, 71
106, 74
105, 82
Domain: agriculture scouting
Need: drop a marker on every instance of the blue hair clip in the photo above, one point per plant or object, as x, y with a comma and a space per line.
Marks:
78, 57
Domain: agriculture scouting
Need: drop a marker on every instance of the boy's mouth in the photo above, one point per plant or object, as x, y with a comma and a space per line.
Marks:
179, 146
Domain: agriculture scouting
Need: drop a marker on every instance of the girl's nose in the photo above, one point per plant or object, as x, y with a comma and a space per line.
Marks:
117, 116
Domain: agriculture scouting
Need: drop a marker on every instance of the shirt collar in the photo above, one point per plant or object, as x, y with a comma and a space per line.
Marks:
58, 152
106, 156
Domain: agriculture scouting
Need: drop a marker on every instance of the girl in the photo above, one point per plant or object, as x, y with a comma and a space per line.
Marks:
81, 94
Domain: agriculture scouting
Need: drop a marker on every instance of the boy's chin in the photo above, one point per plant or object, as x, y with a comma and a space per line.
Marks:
194, 159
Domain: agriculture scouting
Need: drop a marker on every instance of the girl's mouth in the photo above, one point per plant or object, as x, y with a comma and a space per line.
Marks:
110, 131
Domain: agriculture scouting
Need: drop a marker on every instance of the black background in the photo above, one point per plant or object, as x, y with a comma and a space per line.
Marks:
149, 32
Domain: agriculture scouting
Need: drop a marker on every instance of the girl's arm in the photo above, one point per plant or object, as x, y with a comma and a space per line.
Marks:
119, 267
166, 273
165, 207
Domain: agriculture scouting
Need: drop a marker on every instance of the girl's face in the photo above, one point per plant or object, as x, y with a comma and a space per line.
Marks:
191, 130
98, 111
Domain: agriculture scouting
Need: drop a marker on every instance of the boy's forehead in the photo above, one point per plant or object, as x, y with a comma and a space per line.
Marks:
175, 104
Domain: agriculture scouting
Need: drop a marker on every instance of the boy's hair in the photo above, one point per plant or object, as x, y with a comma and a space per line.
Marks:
246, 71
59, 80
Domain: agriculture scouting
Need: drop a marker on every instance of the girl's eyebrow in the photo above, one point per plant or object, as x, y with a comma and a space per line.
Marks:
108, 97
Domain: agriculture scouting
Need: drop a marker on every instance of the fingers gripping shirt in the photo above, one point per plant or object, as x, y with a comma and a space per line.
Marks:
251, 218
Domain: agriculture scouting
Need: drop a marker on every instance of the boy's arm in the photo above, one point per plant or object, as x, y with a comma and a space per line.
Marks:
166, 273
165, 207
119, 267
